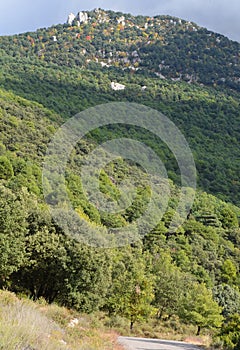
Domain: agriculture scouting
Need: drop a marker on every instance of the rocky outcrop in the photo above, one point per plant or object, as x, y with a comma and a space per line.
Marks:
117, 86
121, 20
82, 17
70, 19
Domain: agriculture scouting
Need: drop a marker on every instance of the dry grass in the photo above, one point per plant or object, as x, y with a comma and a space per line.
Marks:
22, 326
25, 325
172, 329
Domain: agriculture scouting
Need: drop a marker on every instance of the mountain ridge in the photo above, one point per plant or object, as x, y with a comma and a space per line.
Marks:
182, 280
165, 46
62, 68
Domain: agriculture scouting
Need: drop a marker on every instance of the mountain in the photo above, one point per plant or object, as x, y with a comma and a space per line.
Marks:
185, 278
163, 46
106, 56
39, 260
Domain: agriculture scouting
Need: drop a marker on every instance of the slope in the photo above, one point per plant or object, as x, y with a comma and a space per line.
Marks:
208, 118
38, 259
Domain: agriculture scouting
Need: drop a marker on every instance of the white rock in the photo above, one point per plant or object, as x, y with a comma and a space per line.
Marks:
121, 20
74, 322
103, 64
54, 38
137, 60
102, 17
125, 60
70, 19
135, 54
160, 75
117, 86
82, 17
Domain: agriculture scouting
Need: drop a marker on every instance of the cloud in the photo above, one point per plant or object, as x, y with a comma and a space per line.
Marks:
218, 15
24, 15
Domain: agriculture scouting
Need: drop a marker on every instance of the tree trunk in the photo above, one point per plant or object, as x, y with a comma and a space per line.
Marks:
198, 330
160, 314
131, 326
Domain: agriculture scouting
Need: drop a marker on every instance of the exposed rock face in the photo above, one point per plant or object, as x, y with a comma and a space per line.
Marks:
117, 86
70, 19
121, 20
82, 17
74, 322
102, 16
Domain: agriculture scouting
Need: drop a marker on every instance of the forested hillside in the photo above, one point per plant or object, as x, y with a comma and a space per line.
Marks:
39, 260
162, 45
188, 277
63, 69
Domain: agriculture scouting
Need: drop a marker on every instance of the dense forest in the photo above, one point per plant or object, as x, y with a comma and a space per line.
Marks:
43, 67
191, 274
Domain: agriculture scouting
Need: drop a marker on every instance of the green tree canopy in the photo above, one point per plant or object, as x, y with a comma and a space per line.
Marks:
199, 308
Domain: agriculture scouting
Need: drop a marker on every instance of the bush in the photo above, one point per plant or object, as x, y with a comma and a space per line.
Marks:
230, 333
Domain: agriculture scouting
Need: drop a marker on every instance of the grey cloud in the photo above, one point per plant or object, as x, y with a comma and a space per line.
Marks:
219, 15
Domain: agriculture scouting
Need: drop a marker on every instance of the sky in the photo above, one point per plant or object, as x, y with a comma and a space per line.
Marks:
221, 16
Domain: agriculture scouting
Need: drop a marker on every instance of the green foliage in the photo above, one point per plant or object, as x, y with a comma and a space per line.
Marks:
228, 217
170, 275
60, 76
228, 298
60, 269
13, 228
6, 170
199, 308
39, 260
106, 186
131, 292
229, 271
175, 48
230, 333
170, 285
